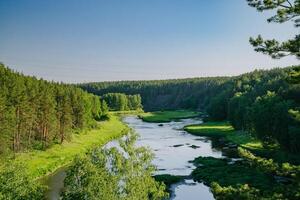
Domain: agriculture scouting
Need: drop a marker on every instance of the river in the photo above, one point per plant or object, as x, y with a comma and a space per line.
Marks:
173, 149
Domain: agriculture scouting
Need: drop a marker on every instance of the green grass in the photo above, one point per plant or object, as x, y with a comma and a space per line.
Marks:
127, 112
167, 116
210, 129
40, 163
224, 129
243, 139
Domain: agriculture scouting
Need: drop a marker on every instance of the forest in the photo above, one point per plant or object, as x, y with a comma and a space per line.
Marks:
191, 93
44, 125
260, 107
35, 114
222, 137
263, 102
123, 102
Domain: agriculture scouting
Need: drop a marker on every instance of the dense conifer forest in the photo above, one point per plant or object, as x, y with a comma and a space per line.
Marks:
34, 113
264, 102
223, 138
123, 102
37, 114
156, 95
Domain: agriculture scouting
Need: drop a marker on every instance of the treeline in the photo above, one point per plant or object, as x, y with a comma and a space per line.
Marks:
35, 113
191, 93
122, 102
263, 102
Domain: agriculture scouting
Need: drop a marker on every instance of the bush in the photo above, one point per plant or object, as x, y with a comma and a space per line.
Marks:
15, 184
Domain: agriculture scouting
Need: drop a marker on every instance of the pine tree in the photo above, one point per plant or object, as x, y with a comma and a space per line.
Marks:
46, 115
31, 122
104, 108
18, 100
286, 10
63, 112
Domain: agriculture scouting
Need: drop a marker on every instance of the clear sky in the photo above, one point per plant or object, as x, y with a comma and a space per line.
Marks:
99, 40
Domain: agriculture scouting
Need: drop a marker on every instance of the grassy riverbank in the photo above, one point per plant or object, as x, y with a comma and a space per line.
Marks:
128, 112
219, 170
167, 116
242, 139
224, 129
252, 178
40, 163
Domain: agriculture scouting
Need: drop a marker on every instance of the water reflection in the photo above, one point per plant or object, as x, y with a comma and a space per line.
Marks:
122, 171
173, 147
191, 190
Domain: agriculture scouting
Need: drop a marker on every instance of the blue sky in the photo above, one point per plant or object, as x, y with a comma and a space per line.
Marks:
100, 40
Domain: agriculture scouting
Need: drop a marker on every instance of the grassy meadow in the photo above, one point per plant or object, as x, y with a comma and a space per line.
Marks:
40, 163
167, 116
224, 129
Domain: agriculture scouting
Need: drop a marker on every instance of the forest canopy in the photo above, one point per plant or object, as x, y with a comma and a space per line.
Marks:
122, 102
266, 103
34, 113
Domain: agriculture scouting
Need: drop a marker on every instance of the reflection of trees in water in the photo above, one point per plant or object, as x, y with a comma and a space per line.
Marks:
227, 148
118, 173
217, 143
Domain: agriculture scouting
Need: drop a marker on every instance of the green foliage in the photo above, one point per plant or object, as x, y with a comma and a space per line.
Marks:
122, 102
104, 108
167, 116
114, 174
294, 76
285, 171
294, 138
241, 192
246, 192
269, 166
40, 163
264, 104
218, 106
245, 140
226, 132
36, 114
210, 129
276, 49
168, 179
192, 93
134, 102
63, 114
250, 179
237, 107
270, 95
266, 165
286, 10
18, 177
218, 170
269, 116
15, 184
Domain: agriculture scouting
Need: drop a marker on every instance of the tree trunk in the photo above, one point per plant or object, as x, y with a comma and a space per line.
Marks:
62, 134
17, 131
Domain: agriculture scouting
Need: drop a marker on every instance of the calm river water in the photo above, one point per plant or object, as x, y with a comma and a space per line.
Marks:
173, 149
